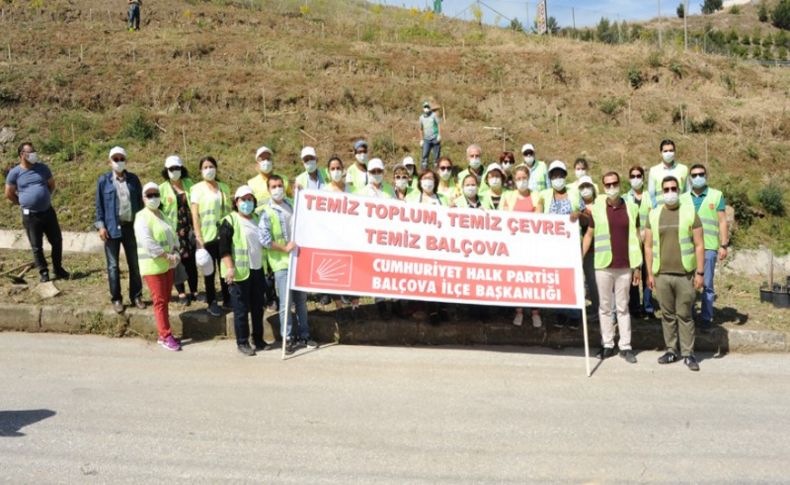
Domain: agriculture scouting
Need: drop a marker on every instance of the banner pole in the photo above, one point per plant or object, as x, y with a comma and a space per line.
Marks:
584, 328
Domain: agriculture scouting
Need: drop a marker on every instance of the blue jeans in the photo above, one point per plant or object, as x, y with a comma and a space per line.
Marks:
427, 147
112, 253
298, 299
708, 294
247, 298
134, 16
647, 293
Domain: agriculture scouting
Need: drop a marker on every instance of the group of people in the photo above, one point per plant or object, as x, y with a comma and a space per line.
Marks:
665, 233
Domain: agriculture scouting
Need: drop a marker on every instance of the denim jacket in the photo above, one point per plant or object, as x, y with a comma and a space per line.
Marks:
107, 202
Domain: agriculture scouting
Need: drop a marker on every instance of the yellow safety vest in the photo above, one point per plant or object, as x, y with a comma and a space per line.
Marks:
148, 264
644, 206
260, 187
708, 215
537, 176
416, 196
323, 177
685, 236
169, 207
451, 191
240, 251
278, 260
657, 174
602, 239
488, 203
209, 211
356, 178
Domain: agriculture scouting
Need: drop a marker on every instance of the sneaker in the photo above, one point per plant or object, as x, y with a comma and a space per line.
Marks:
518, 319
537, 322
246, 349
308, 342
289, 347
183, 300
605, 353
260, 346
214, 309
170, 343
668, 358
691, 363
139, 303
628, 355
118, 306
62, 274
44, 277
201, 297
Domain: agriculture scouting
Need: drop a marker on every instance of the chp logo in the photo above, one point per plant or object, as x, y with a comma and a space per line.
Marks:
331, 269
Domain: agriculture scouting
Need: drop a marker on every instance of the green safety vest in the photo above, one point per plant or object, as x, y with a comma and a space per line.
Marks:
657, 174
462, 203
260, 187
709, 215
240, 251
209, 214
548, 195
415, 197
278, 260
323, 176
488, 203
150, 265
356, 178
685, 223
452, 190
603, 241
644, 206
537, 176
169, 207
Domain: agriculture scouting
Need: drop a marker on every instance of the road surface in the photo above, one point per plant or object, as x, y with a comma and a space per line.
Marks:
86, 409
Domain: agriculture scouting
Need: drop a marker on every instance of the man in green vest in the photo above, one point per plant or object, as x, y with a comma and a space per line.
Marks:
474, 157
538, 173
675, 253
668, 166
709, 204
312, 177
614, 232
430, 135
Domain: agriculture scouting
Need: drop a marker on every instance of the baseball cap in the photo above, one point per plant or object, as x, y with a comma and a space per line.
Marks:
308, 151
558, 164
173, 161
117, 151
262, 150
527, 146
375, 163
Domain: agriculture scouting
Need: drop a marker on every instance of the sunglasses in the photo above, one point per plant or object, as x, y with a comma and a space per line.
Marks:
401, 177
116, 160
670, 189
376, 172
445, 169
174, 169
636, 176
152, 195
613, 184
697, 175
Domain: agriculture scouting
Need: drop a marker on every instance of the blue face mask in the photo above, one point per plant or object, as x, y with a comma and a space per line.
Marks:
698, 182
246, 207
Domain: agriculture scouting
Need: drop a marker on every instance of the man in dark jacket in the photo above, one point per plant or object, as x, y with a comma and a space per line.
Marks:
119, 196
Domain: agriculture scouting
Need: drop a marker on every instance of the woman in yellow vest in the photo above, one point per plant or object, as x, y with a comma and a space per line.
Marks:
357, 173
428, 181
264, 165
588, 192
402, 182
175, 207
469, 199
447, 186
210, 203
495, 179
157, 253
637, 195
242, 269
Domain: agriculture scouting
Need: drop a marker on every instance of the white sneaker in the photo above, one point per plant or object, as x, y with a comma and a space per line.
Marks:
518, 319
536, 321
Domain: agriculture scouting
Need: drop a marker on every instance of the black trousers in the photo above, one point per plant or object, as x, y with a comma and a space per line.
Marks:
192, 274
211, 292
38, 224
248, 298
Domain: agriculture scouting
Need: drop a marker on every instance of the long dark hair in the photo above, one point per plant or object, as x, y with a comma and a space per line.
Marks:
209, 158
184, 173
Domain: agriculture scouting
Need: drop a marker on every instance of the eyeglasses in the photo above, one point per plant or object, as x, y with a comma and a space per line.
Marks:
402, 177
636, 176
610, 185
152, 195
670, 189
445, 169
697, 175
174, 169
376, 172
116, 160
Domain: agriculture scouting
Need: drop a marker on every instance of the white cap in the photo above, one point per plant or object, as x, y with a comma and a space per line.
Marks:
308, 151
173, 161
494, 166
527, 146
242, 191
558, 164
586, 180
262, 150
117, 151
375, 163
149, 186
408, 161
203, 260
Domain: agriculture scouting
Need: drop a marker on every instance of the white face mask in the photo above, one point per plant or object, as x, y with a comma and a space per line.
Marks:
586, 193
445, 174
153, 204
118, 167
636, 183
580, 173
426, 110
174, 174
522, 185
310, 166
613, 192
475, 162
277, 193
671, 198
362, 158
209, 173
507, 167
558, 184
336, 174
410, 169
427, 185
529, 160
32, 157
377, 178
266, 166
495, 182
470, 191
668, 157
401, 184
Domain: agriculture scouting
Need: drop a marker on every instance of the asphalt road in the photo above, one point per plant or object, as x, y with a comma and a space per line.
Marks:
83, 409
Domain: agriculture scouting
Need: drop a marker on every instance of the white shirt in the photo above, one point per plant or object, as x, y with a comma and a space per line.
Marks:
253, 242
124, 199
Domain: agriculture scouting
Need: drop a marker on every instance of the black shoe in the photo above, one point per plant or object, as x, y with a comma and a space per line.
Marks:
118, 306
214, 309
246, 349
260, 346
574, 325
289, 347
605, 353
308, 342
201, 297
138, 302
651, 316
183, 300
691, 363
44, 277
62, 274
629, 356
668, 358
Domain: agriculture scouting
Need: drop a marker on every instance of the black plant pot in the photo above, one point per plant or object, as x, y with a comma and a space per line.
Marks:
766, 294
782, 298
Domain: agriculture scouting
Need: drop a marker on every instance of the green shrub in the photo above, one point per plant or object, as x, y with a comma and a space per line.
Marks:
137, 126
762, 12
738, 199
781, 15
735, 10
770, 197
635, 77
611, 106
654, 60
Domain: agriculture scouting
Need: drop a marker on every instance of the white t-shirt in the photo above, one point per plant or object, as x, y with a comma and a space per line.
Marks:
253, 242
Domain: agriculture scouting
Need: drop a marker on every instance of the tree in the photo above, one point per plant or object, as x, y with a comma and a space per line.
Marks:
606, 32
681, 11
710, 6
515, 24
762, 12
552, 25
781, 15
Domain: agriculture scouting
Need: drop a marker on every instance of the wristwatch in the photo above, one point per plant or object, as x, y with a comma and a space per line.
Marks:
700, 273
725, 246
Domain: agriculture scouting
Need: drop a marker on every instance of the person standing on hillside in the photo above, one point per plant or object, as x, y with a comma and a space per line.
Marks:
357, 173
430, 135
30, 185
538, 173
668, 167
119, 196
134, 14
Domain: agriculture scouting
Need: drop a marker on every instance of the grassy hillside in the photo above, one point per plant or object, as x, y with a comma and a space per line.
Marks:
223, 77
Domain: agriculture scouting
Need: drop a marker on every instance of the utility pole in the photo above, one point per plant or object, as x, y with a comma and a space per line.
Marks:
527, 26
573, 16
686, 25
660, 34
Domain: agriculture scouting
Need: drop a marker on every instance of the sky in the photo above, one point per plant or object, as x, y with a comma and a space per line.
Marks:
587, 12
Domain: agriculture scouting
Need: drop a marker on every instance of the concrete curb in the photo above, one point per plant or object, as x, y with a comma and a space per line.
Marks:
199, 325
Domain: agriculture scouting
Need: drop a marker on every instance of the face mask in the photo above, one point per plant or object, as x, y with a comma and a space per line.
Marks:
153, 204
427, 185
636, 183
336, 175
266, 166
310, 166
613, 192
277, 193
558, 184
246, 207
426, 110
507, 167
470, 191
118, 167
495, 182
529, 160
586, 192
445, 174
209, 173
401, 184
377, 178
668, 157
362, 158
475, 162
32, 157
522, 185
698, 182
671, 198
174, 175
410, 169
580, 173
